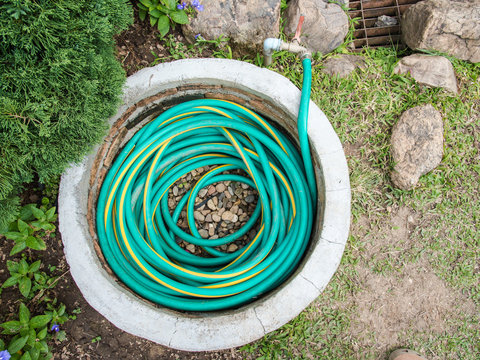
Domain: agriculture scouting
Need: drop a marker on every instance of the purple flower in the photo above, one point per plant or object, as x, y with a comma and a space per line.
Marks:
182, 6
198, 36
196, 5
55, 328
5, 355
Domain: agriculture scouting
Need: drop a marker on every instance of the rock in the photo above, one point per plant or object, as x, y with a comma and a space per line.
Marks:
211, 205
234, 218
203, 233
385, 20
448, 26
202, 192
191, 248
416, 145
211, 230
211, 190
220, 187
208, 218
216, 218
232, 248
246, 23
343, 66
197, 215
325, 25
250, 199
435, 71
227, 216
175, 191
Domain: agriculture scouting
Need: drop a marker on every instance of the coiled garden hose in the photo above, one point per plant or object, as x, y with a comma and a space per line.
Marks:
137, 232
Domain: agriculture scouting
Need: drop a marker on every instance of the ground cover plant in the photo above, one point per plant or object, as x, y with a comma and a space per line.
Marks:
410, 273
59, 82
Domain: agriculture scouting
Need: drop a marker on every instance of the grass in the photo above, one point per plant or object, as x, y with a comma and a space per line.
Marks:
363, 108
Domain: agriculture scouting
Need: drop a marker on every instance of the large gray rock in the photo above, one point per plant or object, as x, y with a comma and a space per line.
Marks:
325, 25
435, 71
416, 145
343, 65
247, 23
447, 26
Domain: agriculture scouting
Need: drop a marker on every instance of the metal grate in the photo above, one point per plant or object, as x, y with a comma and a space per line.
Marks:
368, 11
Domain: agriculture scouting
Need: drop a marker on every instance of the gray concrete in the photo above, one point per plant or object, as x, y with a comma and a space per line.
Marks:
212, 331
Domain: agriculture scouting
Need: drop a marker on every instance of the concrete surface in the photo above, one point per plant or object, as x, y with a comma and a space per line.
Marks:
221, 330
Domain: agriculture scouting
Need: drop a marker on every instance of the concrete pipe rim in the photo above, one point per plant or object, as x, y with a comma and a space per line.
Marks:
223, 330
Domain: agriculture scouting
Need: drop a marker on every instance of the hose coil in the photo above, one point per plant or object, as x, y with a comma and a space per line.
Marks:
137, 233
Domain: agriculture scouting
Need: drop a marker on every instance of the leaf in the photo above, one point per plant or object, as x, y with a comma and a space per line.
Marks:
32, 337
61, 310
22, 226
50, 214
39, 278
146, 3
24, 314
42, 346
47, 227
61, 335
23, 267
39, 214
11, 281
11, 327
40, 321
16, 236
34, 353
42, 334
163, 25
142, 13
26, 356
19, 246
2, 344
155, 13
180, 17
12, 266
26, 212
35, 243
24, 285
153, 20
171, 4
17, 345
35, 266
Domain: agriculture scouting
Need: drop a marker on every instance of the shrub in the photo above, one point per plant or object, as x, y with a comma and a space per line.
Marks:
59, 82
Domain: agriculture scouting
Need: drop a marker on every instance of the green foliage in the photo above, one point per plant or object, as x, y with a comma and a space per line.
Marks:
29, 339
162, 13
59, 81
33, 224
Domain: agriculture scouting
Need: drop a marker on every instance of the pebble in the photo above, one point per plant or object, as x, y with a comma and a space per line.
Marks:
223, 247
205, 212
227, 194
250, 198
227, 216
220, 187
197, 215
208, 218
203, 233
175, 191
214, 237
215, 200
211, 189
234, 209
221, 211
244, 186
238, 191
232, 248
235, 218
202, 192
230, 190
216, 218
191, 248
211, 230
211, 205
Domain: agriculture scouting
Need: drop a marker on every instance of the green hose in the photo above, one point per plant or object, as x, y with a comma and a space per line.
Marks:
137, 232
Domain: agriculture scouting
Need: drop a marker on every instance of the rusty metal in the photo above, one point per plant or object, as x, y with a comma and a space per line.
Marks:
366, 13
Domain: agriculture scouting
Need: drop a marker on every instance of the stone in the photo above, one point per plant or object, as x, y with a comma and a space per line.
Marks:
220, 187
416, 145
197, 215
227, 216
175, 190
343, 65
250, 199
203, 233
435, 71
208, 218
452, 27
232, 247
211, 205
216, 218
385, 20
246, 23
211, 230
202, 192
325, 25
191, 248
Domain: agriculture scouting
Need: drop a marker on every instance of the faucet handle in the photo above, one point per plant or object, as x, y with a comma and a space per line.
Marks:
299, 29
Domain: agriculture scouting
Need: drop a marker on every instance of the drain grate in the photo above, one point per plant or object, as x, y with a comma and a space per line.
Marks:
367, 33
